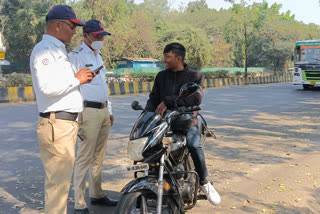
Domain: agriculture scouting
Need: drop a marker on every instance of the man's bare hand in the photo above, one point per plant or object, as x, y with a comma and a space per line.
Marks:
85, 75
161, 109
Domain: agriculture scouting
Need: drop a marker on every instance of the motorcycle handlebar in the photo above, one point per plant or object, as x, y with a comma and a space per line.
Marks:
189, 109
182, 110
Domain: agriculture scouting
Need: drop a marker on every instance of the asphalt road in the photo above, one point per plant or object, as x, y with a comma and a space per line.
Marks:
235, 113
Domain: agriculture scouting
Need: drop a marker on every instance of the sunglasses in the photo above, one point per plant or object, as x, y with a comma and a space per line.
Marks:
72, 27
96, 36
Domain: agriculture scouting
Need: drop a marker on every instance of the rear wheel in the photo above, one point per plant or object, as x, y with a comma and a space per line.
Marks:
144, 202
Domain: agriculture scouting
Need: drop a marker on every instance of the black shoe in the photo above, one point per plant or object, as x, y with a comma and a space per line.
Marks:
82, 211
105, 201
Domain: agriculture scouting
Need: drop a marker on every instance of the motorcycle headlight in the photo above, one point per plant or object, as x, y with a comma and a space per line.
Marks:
135, 148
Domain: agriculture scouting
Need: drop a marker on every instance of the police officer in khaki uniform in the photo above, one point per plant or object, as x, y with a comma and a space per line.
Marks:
95, 120
56, 85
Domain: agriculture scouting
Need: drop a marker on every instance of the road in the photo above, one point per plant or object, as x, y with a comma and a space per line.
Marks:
265, 160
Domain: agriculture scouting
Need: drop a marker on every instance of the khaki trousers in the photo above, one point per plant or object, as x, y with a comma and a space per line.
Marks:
94, 126
57, 139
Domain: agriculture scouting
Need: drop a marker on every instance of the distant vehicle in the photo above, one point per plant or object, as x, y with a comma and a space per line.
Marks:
307, 63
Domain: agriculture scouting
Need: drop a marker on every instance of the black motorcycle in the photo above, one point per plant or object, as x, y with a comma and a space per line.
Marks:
165, 179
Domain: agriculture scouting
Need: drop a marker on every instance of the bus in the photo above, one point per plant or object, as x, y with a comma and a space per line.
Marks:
307, 63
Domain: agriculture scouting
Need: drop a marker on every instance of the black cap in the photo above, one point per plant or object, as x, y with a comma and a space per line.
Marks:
95, 27
63, 12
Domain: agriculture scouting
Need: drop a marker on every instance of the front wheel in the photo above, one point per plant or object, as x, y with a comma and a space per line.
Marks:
144, 202
307, 86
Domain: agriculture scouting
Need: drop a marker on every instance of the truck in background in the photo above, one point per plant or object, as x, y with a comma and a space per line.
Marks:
307, 63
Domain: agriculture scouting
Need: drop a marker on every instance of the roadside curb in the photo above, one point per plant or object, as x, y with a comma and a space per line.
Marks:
26, 94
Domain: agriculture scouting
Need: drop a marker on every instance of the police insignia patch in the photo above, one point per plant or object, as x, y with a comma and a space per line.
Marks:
45, 61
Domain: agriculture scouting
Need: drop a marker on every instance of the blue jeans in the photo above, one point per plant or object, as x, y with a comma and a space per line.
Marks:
197, 154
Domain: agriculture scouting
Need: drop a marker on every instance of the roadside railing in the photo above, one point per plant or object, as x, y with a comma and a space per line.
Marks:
26, 94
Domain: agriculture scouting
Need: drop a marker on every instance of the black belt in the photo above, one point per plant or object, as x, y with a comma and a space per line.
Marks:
62, 115
91, 104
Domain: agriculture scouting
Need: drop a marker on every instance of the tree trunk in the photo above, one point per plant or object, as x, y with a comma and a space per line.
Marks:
246, 55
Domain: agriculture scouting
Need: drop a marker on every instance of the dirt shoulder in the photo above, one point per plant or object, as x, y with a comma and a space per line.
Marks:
291, 187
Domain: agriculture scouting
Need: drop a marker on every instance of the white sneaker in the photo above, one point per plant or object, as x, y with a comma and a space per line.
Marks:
212, 195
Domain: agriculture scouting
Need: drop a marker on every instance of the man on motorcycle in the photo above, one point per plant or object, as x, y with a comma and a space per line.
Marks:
163, 96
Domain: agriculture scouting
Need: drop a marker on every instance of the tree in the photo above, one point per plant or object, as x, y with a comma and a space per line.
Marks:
115, 17
24, 27
242, 31
221, 53
272, 34
138, 40
156, 6
197, 6
195, 41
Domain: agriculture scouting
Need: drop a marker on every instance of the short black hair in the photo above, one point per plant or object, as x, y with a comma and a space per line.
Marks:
176, 48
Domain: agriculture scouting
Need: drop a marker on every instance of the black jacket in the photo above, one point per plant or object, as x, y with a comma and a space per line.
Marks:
167, 85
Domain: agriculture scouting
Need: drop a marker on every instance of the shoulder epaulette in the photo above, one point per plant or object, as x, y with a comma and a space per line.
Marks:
77, 50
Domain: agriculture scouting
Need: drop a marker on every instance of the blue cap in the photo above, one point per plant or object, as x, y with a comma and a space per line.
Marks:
95, 27
63, 12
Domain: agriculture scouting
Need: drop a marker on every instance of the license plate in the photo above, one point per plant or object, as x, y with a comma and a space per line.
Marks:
312, 83
138, 167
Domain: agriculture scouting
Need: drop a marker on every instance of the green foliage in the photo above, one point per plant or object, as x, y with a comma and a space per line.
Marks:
209, 20
242, 31
142, 77
216, 74
238, 73
195, 41
197, 6
221, 53
16, 80
24, 26
222, 74
115, 75
209, 74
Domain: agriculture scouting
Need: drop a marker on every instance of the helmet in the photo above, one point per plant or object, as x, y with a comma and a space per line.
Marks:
189, 88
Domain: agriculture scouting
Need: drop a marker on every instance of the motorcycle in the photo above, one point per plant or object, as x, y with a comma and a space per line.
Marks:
165, 178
